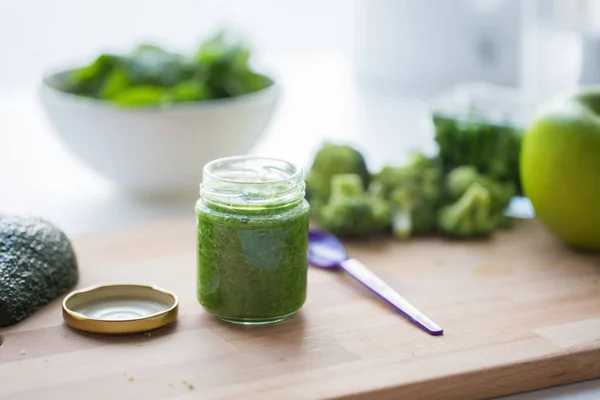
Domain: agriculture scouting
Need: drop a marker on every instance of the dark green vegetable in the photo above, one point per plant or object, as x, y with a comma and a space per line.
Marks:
479, 203
90, 80
139, 96
252, 262
330, 160
189, 91
471, 139
413, 193
154, 66
37, 264
350, 210
150, 75
470, 216
418, 198
460, 179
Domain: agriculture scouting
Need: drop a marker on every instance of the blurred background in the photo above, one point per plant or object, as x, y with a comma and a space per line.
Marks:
363, 71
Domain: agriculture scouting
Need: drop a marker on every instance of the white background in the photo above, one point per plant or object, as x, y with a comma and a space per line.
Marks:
35, 34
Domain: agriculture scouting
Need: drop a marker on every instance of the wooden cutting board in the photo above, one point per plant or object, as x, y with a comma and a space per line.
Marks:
520, 312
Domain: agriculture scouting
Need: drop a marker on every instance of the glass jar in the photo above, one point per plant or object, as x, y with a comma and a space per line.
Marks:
252, 239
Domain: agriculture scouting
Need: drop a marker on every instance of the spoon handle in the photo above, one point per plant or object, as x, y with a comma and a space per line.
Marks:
361, 273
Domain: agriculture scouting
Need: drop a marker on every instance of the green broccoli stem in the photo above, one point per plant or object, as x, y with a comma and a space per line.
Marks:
402, 224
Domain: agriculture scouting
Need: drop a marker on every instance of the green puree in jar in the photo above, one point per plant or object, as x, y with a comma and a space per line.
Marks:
252, 261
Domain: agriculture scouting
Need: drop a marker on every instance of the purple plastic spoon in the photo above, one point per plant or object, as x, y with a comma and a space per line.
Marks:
326, 251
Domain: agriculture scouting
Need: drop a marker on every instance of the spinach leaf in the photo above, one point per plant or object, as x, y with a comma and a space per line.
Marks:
88, 80
140, 96
151, 65
116, 81
191, 90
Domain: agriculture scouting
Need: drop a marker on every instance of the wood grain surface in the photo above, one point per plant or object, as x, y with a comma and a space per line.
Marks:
520, 312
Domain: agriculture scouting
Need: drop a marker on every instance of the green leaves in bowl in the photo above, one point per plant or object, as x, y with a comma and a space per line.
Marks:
152, 76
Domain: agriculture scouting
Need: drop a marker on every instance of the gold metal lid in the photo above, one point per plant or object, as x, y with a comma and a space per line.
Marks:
120, 308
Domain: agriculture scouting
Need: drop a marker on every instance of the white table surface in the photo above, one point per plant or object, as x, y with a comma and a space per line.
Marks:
321, 101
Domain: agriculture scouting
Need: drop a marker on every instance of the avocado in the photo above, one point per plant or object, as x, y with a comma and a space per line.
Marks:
37, 264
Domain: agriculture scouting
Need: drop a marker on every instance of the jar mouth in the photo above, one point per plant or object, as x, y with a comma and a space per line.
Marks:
252, 181
251, 170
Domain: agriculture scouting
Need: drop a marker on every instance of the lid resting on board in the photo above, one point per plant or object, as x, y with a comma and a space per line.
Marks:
120, 308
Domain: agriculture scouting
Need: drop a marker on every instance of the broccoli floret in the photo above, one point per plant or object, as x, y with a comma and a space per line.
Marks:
401, 204
479, 204
470, 216
461, 178
350, 210
330, 160
420, 172
413, 194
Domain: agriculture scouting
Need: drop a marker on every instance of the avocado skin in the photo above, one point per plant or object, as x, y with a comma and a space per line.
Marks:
37, 264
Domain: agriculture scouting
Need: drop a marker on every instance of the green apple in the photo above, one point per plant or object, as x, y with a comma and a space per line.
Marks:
560, 167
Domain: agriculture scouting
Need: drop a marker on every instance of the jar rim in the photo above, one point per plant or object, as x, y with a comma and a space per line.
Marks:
248, 181
296, 170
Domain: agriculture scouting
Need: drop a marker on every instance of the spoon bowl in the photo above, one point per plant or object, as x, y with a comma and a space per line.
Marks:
324, 249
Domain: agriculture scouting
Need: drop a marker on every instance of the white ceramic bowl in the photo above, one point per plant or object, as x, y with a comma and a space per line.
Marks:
156, 151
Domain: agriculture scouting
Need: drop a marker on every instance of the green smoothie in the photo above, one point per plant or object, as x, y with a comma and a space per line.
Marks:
252, 260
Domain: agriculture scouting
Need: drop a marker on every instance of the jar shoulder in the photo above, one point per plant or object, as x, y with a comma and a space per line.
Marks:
252, 217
